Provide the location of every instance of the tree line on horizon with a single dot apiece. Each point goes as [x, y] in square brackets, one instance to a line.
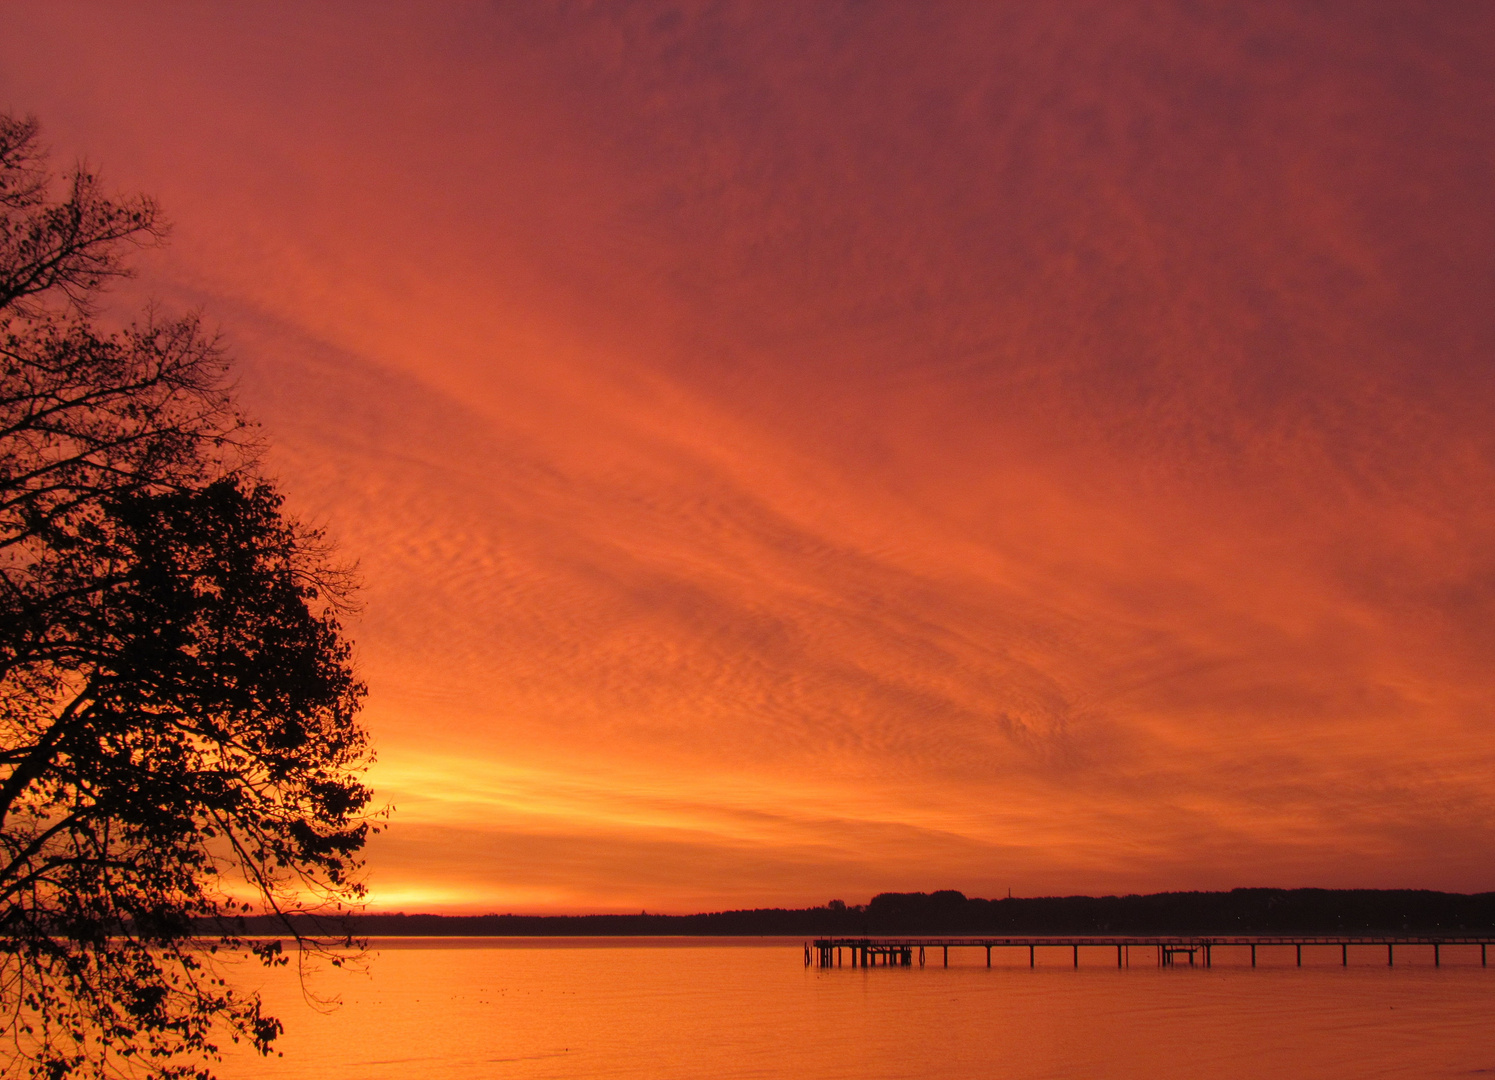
[948, 912]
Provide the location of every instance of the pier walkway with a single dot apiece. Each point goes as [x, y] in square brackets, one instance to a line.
[1168, 951]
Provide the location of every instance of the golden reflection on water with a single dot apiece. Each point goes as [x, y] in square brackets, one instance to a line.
[626, 1008]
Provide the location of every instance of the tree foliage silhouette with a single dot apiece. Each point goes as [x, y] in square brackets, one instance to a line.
[178, 735]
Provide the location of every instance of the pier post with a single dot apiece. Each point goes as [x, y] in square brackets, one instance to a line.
[1118, 956]
[1077, 956]
[947, 955]
[1300, 956]
[1253, 954]
[1388, 954]
[1030, 955]
[1482, 955]
[1344, 955]
[1435, 955]
[921, 956]
[988, 956]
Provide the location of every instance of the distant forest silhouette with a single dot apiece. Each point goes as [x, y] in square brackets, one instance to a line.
[1240, 911]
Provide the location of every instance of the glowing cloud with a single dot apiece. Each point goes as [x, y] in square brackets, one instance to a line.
[811, 451]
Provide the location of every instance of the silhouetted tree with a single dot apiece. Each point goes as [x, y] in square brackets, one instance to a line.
[178, 742]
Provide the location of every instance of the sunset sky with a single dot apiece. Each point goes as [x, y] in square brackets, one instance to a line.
[799, 451]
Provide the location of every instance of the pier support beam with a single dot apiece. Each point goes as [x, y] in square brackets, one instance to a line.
[1344, 956]
[1253, 955]
[988, 956]
[1030, 955]
[947, 955]
[1118, 956]
[1300, 956]
[1435, 955]
[1388, 954]
[1077, 956]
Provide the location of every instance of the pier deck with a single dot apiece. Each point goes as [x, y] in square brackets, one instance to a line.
[900, 951]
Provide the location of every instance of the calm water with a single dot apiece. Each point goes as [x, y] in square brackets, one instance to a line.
[448, 1009]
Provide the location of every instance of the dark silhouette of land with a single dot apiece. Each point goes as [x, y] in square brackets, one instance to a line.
[1240, 911]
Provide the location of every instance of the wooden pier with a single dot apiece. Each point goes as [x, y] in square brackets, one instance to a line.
[1167, 951]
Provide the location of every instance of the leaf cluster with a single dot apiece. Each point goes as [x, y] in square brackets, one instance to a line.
[178, 734]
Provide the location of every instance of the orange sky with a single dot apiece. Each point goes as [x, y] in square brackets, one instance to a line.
[799, 451]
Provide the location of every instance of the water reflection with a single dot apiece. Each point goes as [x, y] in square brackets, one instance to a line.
[463, 1009]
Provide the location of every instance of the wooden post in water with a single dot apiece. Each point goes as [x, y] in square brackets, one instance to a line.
[1344, 955]
[1118, 956]
[1253, 954]
[1388, 954]
[1030, 955]
[1300, 956]
[947, 955]
[1435, 955]
[1077, 956]
[988, 956]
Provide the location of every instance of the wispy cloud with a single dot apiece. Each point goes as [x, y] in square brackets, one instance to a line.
[802, 453]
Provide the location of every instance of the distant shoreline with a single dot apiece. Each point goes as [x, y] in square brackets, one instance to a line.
[1240, 911]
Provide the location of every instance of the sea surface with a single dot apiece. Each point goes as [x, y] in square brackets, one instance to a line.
[664, 1008]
